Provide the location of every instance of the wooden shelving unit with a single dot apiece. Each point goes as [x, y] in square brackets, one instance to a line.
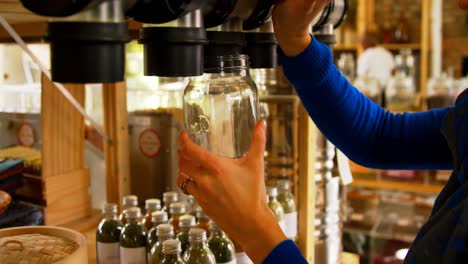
[342, 47]
[396, 46]
[399, 186]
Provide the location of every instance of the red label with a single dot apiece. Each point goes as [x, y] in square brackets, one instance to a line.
[26, 135]
[150, 143]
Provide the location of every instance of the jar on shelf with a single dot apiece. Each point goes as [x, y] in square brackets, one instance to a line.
[370, 87]
[440, 91]
[347, 66]
[400, 93]
[221, 107]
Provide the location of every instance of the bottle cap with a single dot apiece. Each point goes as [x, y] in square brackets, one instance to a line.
[187, 221]
[159, 217]
[284, 185]
[165, 230]
[170, 197]
[201, 215]
[177, 208]
[132, 213]
[153, 204]
[215, 227]
[109, 208]
[272, 191]
[130, 201]
[171, 247]
[197, 235]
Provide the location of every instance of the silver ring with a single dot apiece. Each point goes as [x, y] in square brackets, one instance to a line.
[184, 185]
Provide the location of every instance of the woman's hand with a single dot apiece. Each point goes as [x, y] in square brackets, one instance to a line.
[292, 19]
[232, 192]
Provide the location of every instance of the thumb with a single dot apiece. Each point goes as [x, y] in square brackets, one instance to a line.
[257, 145]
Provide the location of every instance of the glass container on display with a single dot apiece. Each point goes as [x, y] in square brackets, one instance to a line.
[128, 201]
[157, 218]
[286, 198]
[220, 108]
[440, 92]
[221, 246]
[203, 221]
[400, 93]
[151, 206]
[198, 252]
[370, 87]
[171, 251]
[133, 239]
[347, 66]
[108, 236]
[176, 210]
[276, 206]
[185, 223]
[163, 232]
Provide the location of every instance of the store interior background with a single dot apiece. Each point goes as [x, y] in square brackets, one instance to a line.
[384, 209]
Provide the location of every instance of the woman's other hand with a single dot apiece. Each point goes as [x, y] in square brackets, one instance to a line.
[292, 19]
[232, 192]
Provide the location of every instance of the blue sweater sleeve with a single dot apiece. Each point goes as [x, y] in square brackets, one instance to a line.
[363, 130]
[285, 252]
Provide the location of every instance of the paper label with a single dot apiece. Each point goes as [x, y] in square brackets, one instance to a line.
[133, 255]
[283, 226]
[26, 135]
[230, 262]
[291, 225]
[150, 143]
[108, 253]
[242, 258]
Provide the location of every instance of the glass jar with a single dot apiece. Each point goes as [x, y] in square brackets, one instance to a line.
[133, 241]
[163, 232]
[176, 210]
[185, 223]
[370, 87]
[128, 201]
[286, 198]
[221, 246]
[198, 252]
[400, 93]
[221, 107]
[440, 92]
[171, 251]
[276, 206]
[157, 218]
[108, 236]
[151, 206]
[347, 66]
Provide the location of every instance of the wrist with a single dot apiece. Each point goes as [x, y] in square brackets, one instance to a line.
[293, 46]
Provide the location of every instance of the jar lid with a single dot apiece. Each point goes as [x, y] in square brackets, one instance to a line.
[201, 215]
[178, 208]
[171, 247]
[153, 204]
[159, 217]
[284, 185]
[109, 208]
[272, 191]
[130, 200]
[187, 221]
[170, 197]
[197, 235]
[133, 213]
[164, 230]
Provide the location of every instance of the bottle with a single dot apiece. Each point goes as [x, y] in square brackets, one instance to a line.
[151, 206]
[221, 246]
[402, 31]
[221, 107]
[176, 210]
[158, 217]
[400, 93]
[108, 235]
[128, 201]
[276, 206]
[286, 198]
[203, 221]
[133, 239]
[171, 251]
[185, 223]
[198, 252]
[163, 232]
[193, 205]
[168, 198]
[347, 66]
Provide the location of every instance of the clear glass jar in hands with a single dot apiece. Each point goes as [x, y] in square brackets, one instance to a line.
[221, 107]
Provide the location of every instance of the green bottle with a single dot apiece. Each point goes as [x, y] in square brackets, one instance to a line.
[276, 206]
[198, 252]
[164, 232]
[133, 239]
[171, 250]
[108, 235]
[157, 218]
[185, 223]
[221, 246]
[286, 198]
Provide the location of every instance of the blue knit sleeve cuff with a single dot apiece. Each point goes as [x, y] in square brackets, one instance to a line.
[285, 252]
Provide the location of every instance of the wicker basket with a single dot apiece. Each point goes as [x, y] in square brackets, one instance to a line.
[42, 245]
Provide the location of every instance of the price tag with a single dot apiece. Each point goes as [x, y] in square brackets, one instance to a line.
[343, 168]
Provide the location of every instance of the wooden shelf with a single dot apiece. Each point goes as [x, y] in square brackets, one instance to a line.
[400, 186]
[411, 46]
[342, 47]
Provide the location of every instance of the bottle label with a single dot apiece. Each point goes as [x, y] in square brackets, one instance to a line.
[282, 224]
[133, 255]
[242, 258]
[108, 253]
[230, 262]
[291, 225]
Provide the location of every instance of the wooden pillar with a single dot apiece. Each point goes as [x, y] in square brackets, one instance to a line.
[66, 181]
[306, 205]
[425, 46]
[116, 152]
[365, 18]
